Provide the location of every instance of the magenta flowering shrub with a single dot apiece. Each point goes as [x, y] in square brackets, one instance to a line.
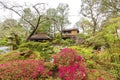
[67, 56]
[70, 65]
[23, 70]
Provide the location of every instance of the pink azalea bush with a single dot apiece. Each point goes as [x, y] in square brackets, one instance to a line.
[23, 70]
[70, 65]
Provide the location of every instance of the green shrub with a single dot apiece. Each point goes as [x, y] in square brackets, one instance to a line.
[22, 49]
[45, 49]
[3, 42]
[68, 42]
[85, 52]
[115, 70]
[97, 74]
[108, 62]
[16, 55]
[115, 58]
[57, 39]
[1, 51]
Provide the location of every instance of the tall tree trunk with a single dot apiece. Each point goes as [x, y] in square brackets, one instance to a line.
[94, 26]
[61, 35]
[28, 38]
[94, 30]
[35, 28]
[54, 31]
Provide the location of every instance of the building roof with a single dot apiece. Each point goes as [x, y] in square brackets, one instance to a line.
[40, 36]
[70, 30]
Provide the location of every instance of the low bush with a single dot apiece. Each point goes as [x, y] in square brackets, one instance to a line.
[1, 51]
[114, 69]
[16, 55]
[82, 50]
[3, 42]
[108, 62]
[68, 42]
[99, 74]
[45, 49]
[57, 39]
[23, 70]
[22, 49]
[85, 52]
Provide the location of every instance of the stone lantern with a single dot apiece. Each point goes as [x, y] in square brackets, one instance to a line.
[10, 42]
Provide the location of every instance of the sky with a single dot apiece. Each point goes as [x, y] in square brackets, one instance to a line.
[74, 6]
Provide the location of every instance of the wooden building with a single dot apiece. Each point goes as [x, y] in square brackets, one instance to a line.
[40, 37]
[70, 33]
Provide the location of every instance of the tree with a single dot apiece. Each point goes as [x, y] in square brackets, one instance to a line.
[52, 13]
[33, 20]
[11, 27]
[84, 25]
[112, 25]
[27, 14]
[111, 7]
[58, 18]
[62, 18]
[92, 11]
[109, 36]
[44, 27]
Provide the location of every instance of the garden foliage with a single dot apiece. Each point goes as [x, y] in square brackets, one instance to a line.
[3, 42]
[45, 49]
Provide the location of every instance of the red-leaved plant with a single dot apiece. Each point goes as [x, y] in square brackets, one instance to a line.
[70, 65]
[23, 70]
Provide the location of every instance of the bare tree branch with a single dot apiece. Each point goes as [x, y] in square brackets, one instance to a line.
[38, 21]
[11, 8]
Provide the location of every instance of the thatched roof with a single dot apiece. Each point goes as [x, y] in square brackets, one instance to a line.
[40, 36]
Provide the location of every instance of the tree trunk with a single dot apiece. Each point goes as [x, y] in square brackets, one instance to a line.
[61, 35]
[28, 38]
[94, 27]
[34, 30]
[61, 32]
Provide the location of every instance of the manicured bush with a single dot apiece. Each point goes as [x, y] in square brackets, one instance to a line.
[70, 64]
[24, 70]
[45, 49]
